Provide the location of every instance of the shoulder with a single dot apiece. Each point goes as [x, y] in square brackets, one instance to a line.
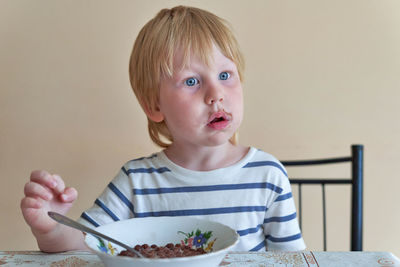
[267, 167]
[264, 161]
[142, 160]
[137, 167]
[149, 164]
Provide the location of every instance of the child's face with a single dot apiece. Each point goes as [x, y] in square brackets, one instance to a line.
[202, 105]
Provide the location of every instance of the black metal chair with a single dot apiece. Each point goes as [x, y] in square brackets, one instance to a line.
[356, 182]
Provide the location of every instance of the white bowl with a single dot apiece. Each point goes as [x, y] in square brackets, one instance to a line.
[161, 231]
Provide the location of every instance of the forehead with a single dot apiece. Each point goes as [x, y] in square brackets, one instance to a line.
[182, 33]
[189, 58]
[183, 57]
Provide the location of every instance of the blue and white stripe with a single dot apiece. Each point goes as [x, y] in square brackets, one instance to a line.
[253, 197]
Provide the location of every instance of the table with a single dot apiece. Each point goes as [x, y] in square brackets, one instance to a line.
[232, 259]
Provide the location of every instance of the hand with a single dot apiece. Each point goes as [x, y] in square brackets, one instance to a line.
[45, 192]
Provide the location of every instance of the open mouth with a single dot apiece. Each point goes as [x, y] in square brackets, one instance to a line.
[219, 120]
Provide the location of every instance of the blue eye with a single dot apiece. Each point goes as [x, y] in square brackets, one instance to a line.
[191, 82]
[224, 75]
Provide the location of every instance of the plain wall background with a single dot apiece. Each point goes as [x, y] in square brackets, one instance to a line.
[320, 76]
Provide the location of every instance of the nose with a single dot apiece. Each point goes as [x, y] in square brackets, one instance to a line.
[214, 94]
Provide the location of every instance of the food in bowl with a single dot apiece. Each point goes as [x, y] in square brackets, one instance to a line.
[168, 251]
[194, 243]
[214, 238]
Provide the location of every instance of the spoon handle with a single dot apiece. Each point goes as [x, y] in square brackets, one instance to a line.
[71, 223]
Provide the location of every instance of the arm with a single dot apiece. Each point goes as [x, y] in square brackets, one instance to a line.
[45, 192]
[280, 224]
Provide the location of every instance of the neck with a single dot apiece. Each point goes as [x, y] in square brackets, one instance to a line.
[206, 158]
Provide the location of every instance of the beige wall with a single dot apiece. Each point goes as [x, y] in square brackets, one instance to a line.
[320, 76]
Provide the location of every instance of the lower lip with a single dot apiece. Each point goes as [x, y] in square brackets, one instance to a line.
[218, 125]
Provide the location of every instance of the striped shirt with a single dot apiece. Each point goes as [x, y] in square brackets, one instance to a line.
[253, 196]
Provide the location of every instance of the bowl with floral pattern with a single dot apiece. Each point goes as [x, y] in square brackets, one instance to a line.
[213, 239]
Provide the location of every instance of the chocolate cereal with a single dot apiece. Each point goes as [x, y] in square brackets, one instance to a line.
[168, 251]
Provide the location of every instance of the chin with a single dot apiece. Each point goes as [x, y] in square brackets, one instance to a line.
[219, 141]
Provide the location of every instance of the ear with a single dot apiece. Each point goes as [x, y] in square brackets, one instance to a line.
[154, 115]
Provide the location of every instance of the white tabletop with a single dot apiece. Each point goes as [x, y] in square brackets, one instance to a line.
[232, 259]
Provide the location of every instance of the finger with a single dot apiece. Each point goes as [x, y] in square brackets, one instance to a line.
[38, 174]
[59, 185]
[44, 178]
[30, 203]
[34, 190]
[70, 195]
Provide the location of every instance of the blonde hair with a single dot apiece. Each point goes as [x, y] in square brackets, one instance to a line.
[187, 28]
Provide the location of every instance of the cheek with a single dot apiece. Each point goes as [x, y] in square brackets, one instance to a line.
[237, 99]
[239, 111]
[178, 113]
[237, 105]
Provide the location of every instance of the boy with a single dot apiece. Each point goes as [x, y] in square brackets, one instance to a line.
[186, 72]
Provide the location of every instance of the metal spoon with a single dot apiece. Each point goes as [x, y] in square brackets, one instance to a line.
[71, 223]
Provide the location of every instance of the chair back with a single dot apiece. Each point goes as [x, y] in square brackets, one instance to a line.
[355, 181]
